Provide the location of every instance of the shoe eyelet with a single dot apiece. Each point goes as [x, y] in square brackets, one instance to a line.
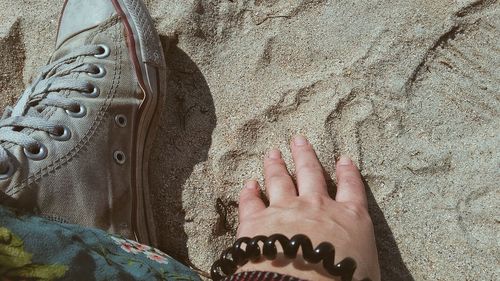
[121, 120]
[78, 114]
[120, 157]
[93, 92]
[100, 74]
[105, 51]
[8, 173]
[36, 155]
[64, 136]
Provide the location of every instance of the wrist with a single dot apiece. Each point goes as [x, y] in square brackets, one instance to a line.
[315, 263]
[296, 268]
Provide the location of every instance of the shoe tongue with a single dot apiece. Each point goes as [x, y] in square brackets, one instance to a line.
[77, 23]
[63, 50]
[69, 45]
[79, 16]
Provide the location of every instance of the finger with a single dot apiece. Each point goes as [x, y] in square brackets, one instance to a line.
[250, 201]
[310, 178]
[279, 184]
[350, 187]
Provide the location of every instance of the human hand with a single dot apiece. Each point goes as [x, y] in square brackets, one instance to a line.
[308, 209]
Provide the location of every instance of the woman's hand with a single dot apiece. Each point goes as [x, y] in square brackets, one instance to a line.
[308, 209]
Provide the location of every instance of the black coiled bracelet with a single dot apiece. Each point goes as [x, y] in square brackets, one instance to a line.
[234, 256]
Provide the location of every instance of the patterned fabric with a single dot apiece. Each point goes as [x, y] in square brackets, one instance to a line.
[33, 248]
[260, 276]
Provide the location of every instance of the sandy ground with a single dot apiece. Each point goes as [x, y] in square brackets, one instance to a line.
[410, 89]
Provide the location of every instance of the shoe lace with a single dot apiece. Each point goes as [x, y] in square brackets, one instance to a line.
[45, 92]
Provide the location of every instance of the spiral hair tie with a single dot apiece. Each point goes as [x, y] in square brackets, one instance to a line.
[235, 256]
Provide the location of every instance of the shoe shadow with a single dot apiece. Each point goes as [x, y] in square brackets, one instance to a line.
[392, 266]
[183, 139]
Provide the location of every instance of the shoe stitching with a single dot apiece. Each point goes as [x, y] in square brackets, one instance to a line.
[57, 163]
[141, 18]
[48, 113]
[98, 120]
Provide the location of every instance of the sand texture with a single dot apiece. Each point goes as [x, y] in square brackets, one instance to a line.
[409, 89]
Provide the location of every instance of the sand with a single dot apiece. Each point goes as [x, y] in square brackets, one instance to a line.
[409, 89]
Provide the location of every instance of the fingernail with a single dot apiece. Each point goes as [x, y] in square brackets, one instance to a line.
[299, 140]
[274, 154]
[345, 161]
[251, 184]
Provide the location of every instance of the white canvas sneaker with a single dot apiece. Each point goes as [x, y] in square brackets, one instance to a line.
[75, 148]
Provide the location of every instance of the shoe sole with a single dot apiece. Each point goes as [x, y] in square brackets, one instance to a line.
[149, 62]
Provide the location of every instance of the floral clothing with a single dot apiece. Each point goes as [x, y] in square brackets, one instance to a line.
[33, 248]
[37, 249]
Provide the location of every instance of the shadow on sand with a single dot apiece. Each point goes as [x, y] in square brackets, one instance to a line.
[183, 139]
[392, 266]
